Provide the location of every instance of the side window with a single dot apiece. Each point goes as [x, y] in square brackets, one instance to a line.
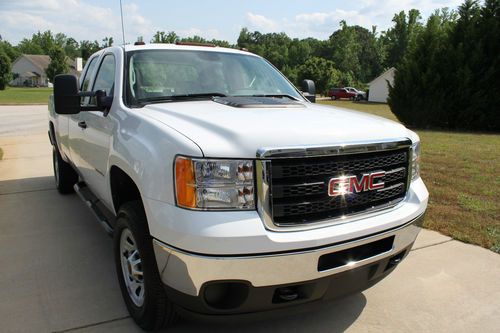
[88, 74]
[105, 79]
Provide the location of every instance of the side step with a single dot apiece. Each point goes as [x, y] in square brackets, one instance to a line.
[92, 202]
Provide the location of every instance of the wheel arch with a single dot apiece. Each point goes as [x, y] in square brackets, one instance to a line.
[123, 187]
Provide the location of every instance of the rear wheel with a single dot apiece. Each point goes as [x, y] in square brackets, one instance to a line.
[64, 174]
[334, 97]
[140, 282]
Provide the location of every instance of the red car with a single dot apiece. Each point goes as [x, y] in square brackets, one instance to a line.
[337, 93]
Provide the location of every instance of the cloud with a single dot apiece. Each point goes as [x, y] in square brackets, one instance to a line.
[260, 22]
[74, 18]
[366, 13]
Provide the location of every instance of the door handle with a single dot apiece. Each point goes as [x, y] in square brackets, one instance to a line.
[82, 124]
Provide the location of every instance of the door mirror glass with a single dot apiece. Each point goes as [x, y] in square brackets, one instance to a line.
[66, 97]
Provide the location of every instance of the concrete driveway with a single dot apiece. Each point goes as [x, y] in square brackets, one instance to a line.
[57, 272]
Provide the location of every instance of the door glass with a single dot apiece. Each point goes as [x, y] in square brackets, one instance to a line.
[105, 79]
[88, 74]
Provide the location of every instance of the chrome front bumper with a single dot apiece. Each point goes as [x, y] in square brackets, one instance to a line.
[188, 272]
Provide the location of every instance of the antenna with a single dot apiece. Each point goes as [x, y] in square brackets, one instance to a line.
[123, 29]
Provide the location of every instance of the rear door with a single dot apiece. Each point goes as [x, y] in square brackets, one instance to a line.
[92, 139]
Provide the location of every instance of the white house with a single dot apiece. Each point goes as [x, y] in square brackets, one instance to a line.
[29, 70]
[379, 87]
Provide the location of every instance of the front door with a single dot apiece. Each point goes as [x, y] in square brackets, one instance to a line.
[91, 139]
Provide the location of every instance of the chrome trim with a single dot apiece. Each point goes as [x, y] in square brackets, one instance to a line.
[264, 208]
[188, 272]
[328, 150]
[391, 187]
[263, 175]
[393, 171]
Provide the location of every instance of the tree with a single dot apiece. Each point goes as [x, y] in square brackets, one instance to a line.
[58, 64]
[87, 48]
[401, 38]
[162, 37]
[10, 50]
[321, 71]
[355, 49]
[450, 78]
[107, 42]
[5, 69]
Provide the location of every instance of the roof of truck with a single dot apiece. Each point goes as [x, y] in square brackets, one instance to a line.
[208, 48]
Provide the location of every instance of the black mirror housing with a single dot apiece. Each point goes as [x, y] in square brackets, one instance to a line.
[309, 89]
[103, 102]
[66, 98]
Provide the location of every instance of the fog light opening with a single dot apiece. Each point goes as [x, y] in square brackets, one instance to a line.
[226, 295]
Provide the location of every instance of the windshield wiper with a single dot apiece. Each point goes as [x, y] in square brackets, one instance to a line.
[272, 96]
[178, 97]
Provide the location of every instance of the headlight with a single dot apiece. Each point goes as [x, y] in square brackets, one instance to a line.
[415, 161]
[214, 184]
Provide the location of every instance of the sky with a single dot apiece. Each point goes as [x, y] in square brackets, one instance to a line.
[220, 19]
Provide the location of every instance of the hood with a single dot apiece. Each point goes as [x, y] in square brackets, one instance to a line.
[229, 132]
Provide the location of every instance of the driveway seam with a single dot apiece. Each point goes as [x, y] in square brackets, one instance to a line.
[29, 191]
[430, 245]
[92, 325]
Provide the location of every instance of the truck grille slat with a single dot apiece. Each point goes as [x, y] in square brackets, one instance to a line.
[299, 186]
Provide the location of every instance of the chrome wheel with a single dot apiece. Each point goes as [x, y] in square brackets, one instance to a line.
[132, 267]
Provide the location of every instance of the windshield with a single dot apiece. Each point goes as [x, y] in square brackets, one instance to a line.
[166, 74]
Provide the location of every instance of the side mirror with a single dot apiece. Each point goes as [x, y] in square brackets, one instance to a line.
[103, 102]
[66, 97]
[309, 89]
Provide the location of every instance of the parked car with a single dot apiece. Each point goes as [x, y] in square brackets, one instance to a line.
[226, 190]
[338, 93]
[361, 94]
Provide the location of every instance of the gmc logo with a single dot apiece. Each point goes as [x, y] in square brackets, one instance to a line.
[351, 184]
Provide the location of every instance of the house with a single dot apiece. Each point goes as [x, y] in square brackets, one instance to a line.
[379, 87]
[29, 70]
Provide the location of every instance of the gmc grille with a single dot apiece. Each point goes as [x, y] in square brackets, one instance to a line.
[298, 187]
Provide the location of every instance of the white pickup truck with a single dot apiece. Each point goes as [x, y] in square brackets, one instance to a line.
[227, 191]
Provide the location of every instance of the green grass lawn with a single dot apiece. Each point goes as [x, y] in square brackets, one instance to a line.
[461, 173]
[14, 95]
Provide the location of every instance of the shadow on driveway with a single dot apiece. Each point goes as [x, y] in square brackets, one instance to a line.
[58, 272]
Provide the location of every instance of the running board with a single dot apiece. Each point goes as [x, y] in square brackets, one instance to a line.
[92, 202]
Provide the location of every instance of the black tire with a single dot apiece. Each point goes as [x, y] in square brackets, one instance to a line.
[351, 98]
[156, 311]
[65, 176]
[334, 97]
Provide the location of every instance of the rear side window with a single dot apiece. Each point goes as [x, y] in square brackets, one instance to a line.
[88, 75]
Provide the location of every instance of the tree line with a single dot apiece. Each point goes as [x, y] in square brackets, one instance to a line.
[447, 67]
[352, 55]
[450, 78]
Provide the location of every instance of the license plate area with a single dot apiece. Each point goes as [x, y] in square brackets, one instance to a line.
[353, 255]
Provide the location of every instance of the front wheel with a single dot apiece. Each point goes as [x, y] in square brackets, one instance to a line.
[138, 276]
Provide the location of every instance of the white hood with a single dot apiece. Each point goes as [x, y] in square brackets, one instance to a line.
[231, 132]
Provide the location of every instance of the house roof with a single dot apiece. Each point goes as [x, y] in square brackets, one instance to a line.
[390, 70]
[42, 62]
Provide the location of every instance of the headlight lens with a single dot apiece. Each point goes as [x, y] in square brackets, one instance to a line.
[415, 161]
[214, 184]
